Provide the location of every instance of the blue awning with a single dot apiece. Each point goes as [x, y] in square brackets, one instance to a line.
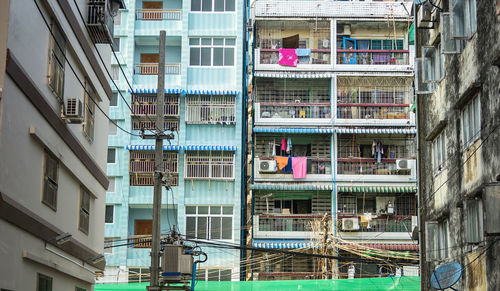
[210, 92]
[280, 244]
[152, 147]
[292, 187]
[293, 75]
[376, 130]
[155, 90]
[208, 148]
[293, 130]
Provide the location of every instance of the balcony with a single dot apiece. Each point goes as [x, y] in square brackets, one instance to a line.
[158, 14]
[309, 42]
[100, 20]
[145, 104]
[298, 101]
[356, 51]
[142, 165]
[152, 69]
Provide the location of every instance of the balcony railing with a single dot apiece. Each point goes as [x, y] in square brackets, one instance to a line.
[315, 166]
[99, 21]
[372, 111]
[317, 57]
[158, 14]
[368, 166]
[152, 69]
[392, 223]
[294, 110]
[286, 222]
[372, 57]
[147, 179]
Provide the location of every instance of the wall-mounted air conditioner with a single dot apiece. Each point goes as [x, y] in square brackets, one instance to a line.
[73, 110]
[267, 166]
[351, 223]
[344, 29]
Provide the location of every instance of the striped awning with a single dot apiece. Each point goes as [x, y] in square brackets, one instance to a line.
[293, 130]
[388, 246]
[293, 75]
[152, 147]
[155, 90]
[292, 187]
[378, 189]
[210, 92]
[376, 130]
[208, 148]
[280, 244]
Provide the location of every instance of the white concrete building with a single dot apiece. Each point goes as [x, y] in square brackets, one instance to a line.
[53, 140]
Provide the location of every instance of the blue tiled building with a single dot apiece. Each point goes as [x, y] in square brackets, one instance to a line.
[204, 85]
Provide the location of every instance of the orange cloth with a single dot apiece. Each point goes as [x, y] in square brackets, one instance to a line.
[282, 162]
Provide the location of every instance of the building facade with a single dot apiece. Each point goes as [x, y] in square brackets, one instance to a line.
[332, 159]
[458, 103]
[203, 108]
[53, 140]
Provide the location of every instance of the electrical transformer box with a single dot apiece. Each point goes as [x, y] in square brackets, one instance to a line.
[175, 262]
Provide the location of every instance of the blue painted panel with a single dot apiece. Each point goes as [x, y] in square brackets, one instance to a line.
[147, 81]
[210, 134]
[213, 24]
[212, 78]
[143, 195]
[210, 192]
[152, 28]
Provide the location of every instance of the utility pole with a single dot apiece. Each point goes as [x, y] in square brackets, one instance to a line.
[155, 250]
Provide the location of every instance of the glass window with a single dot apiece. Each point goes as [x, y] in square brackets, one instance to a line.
[49, 196]
[116, 44]
[212, 52]
[218, 5]
[215, 225]
[218, 56]
[206, 5]
[111, 155]
[195, 5]
[114, 99]
[439, 152]
[206, 56]
[473, 221]
[109, 214]
[471, 122]
[44, 283]
[111, 187]
[84, 221]
[57, 61]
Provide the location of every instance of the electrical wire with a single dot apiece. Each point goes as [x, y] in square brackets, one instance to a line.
[74, 71]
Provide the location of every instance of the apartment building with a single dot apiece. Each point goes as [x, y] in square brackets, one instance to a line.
[332, 139]
[53, 142]
[203, 109]
[458, 102]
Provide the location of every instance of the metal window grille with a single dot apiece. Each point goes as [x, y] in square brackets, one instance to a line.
[57, 61]
[209, 165]
[406, 205]
[139, 124]
[213, 274]
[210, 109]
[84, 221]
[347, 204]
[50, 181]
[145, 104]
[90, 99]
[141, 167]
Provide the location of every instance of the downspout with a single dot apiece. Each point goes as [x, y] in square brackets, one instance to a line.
[253, 136]
[333, 163]
[243, 144]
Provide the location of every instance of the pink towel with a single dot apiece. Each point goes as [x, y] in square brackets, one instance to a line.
[283, 144]
[299, 167]
[288, 57]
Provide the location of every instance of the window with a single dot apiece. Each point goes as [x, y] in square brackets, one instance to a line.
[108, 245]
[111, 155]
[90, 100]
[207, 109]
[57, 61]
[142, 164]
[209, 222]
[437, 240]
[347, 204]
[118, 18]
[212, 5]
[111, 187]
[473, 221]
[114, 99]
[49, 196]
[463, 18]
[112, 129]
[433, 65]
[215, 52]
[298, 206]
[471, 122]
[215, 165]
[116, 44]
[439, 152]
[213, 275]
[109, 214]
[138, 275]
[115, 73]
[84, 221]
[44, 283]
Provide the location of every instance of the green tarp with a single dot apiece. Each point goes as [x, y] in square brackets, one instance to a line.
[369, 284]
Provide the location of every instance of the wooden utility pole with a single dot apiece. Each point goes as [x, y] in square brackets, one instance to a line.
[155, 250]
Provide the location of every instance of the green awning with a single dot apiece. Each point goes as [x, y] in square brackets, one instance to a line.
[292, 187]
[411, 34]
[372, 284]
[378, 189]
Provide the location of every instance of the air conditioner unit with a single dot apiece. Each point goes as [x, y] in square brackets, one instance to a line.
[425, 18]
[344, 29]
[73, 110]
[267, 166]
[350, 223]
[406, 164]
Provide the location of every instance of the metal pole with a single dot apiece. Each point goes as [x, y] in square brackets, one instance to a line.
[155, 250]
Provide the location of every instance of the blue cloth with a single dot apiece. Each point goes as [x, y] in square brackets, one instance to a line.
[288, 168]
[303, 52]
[304, 60]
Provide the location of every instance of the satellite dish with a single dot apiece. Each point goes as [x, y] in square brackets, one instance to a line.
[446, 276]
